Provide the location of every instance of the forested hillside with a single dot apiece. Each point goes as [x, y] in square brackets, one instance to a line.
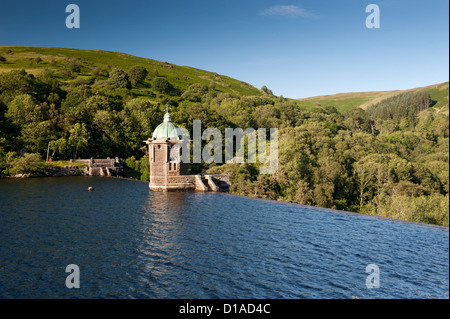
[389, 160]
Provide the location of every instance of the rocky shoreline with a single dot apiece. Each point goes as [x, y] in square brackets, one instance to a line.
[65, 171]
[54, 172]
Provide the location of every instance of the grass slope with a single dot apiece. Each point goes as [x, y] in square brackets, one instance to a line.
[56, 59]
[345, 101]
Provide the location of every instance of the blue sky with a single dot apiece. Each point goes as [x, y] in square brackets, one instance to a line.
[296, 48]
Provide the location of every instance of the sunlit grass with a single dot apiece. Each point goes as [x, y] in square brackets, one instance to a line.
[56, 59]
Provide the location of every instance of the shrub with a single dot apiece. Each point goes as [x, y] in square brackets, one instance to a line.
[137, 74]
[161, 85]
[74, 66]
[118, 78]
[28, 163]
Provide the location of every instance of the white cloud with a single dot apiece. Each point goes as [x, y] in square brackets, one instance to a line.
[289, 11]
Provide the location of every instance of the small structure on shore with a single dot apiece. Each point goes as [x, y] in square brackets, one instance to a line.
[168, 172]
[101, 167]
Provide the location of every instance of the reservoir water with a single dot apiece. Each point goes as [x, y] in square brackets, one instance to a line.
[130, 242]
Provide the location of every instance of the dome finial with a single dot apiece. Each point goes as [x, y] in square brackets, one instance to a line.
[167, 117]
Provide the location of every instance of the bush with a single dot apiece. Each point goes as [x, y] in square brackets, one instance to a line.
[137, 74]
[137, 168]
[74, 66]
[195, 92]
[29, 163]
[432, 209]
[161, 85]
[98, 71]
[145, 176]
[118, 78]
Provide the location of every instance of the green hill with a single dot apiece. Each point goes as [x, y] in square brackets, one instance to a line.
[60, 60]
[37, 59]
[345, 101]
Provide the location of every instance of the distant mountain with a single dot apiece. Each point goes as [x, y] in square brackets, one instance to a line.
[37, 59]
[439, 94]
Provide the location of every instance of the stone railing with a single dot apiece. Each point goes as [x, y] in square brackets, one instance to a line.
[101, 167]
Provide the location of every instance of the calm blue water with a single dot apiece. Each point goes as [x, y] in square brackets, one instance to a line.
[133, 243]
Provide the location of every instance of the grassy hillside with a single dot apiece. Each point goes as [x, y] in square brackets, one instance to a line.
[36, 59]
[345, 101]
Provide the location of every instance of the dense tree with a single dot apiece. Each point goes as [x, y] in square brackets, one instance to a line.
[139, 118]
[195, 92]
[118, 78]
[161, 85]
[28, 163]
[401, 108]
[17, 82]
[137, 74]
[78, 139]
[24, 109]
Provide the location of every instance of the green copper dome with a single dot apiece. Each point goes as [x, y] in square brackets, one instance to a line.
[167, 129]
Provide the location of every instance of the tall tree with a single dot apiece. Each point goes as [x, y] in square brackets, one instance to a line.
[118, 78]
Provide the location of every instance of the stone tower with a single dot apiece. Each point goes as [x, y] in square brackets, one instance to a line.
[166, 166]
[168, 172]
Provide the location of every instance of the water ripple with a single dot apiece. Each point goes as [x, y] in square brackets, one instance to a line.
[133, 243]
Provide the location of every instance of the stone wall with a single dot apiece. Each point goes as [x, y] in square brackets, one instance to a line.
[221, 177]
[219, 182]
[182, 179]
[199, 182]
[101, 167]
[212, 182]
